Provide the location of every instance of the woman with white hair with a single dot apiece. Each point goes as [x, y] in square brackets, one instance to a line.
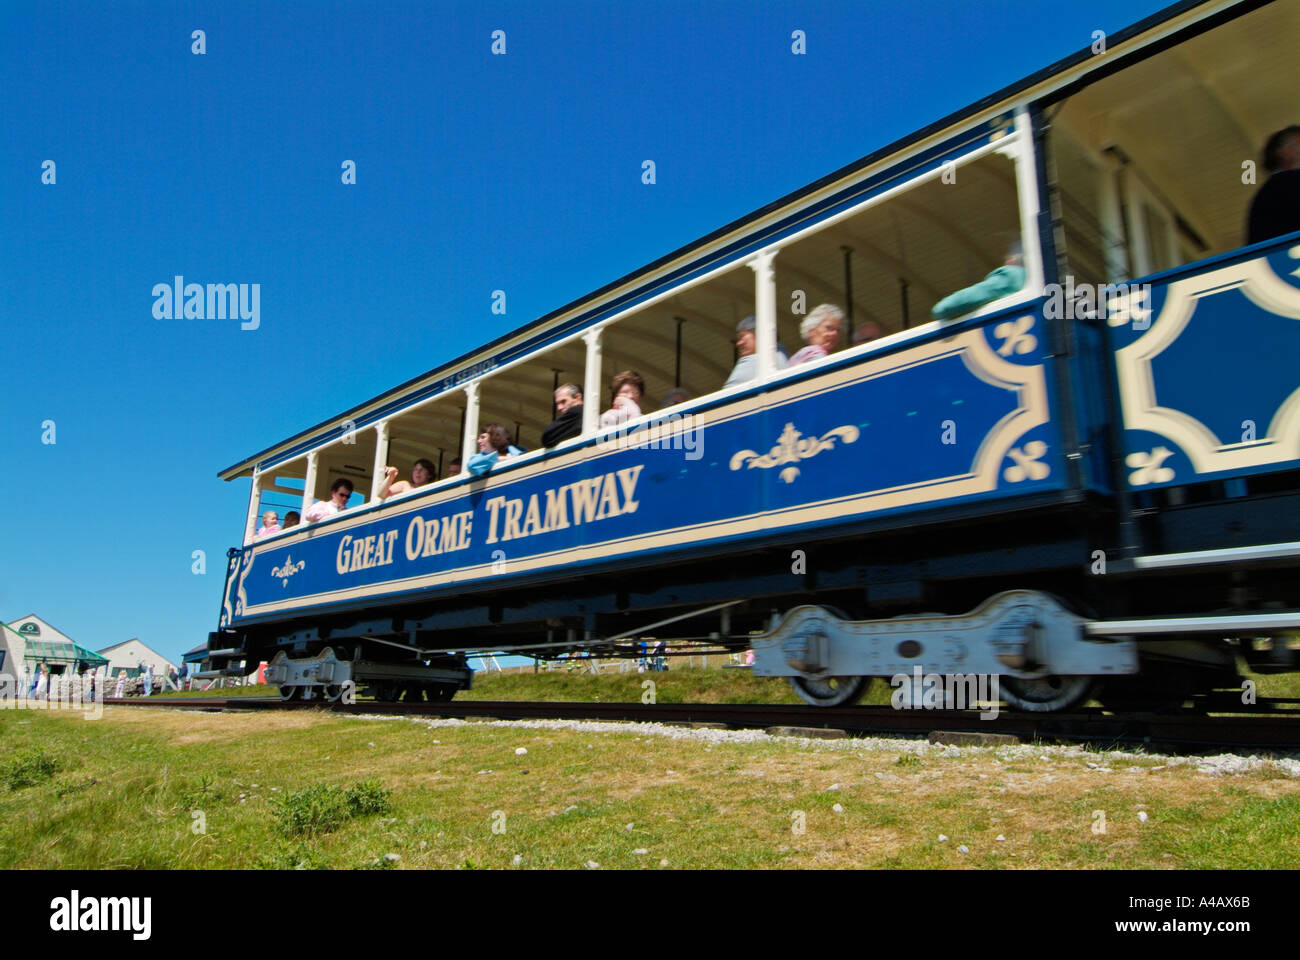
[821, 330]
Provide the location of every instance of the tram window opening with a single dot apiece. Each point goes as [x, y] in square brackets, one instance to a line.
[682, 347]
[522, 398]
[1171, 135]
[886, 266]
[430, 432]
[280, 492]
[351, 458]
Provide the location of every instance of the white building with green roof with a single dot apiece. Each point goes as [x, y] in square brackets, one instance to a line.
[28, 642]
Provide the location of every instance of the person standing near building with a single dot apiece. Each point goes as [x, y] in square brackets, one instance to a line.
[148, 680]
[42, 682]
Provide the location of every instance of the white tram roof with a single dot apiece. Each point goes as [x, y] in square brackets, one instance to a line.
[1247, 86]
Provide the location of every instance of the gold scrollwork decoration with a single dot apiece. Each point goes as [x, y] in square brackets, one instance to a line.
[792, 447]
[288, 570]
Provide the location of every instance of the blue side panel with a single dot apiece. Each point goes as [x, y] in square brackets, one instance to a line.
[1206, 359]
[958, 418]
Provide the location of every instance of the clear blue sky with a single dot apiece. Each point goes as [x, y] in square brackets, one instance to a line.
[474, 172]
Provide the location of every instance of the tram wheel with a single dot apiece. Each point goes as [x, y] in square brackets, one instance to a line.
[288, 693]
[388, 692]
[831, 692]
[413, 693]
[1045, 694]
[332, 692]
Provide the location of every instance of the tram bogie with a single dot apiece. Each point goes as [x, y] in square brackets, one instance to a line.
[326, 677]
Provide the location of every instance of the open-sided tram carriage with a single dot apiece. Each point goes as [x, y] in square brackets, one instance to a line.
[1092, 483]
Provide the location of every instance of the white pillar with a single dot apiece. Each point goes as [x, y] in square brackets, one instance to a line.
[764, 312]
[591, 398]
[309, 484]
[1022, 158]
[381, 459]
[1135, 203]
[1173, 252]
[469, 442]
[254, 502]
[1112, 227]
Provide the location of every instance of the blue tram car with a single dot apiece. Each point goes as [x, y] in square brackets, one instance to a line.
[1082, 475]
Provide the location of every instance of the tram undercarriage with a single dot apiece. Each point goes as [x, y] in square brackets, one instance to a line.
[1040, 655]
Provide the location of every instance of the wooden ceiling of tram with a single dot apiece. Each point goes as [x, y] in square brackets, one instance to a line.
[1190, 116]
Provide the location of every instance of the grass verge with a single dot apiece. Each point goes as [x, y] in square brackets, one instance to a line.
[156, 789]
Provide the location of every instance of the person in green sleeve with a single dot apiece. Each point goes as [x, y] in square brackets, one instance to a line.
[1006, 279]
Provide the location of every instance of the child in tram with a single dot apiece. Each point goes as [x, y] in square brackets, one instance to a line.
[270, 525]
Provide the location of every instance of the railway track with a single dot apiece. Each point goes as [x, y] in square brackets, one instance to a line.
[1177, 733]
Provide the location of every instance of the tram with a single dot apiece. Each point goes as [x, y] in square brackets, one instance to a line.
[1084, 483]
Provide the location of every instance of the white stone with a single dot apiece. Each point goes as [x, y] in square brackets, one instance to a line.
[520, 751]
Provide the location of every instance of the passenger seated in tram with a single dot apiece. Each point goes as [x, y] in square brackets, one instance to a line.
[453, 468]
[493, 446]
[292, 519]
[627, 389]
[1276, 208]
[673, 397]
[340, 490]
[746, 367]
[422, 472]
[568, 404]
[866, 331]
[270, 525]
[1006, 279]
[821, 330]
